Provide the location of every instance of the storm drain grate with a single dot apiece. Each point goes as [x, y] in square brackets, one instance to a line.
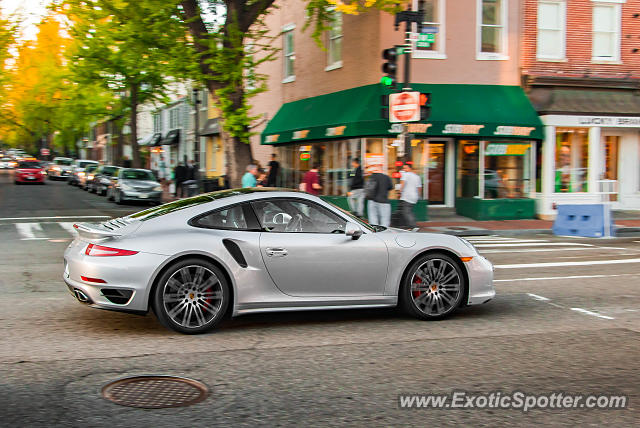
[155, 392]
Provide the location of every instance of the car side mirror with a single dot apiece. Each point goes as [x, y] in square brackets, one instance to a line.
[353, 231]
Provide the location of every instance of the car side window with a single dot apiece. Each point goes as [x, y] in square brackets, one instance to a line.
[232, 218]
[297, 216]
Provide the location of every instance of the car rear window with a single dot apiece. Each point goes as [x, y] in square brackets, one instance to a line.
[29, 165]
[109, 170]
[188, 203]
[137, 174]
[84, 164]
[62, 161]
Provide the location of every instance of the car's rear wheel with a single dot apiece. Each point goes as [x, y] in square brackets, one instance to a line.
[433, 287]
[191, 296]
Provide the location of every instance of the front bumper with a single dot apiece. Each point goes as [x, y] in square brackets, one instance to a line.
[480, 271]
[131, 274]
[30, 178]
[141, 196]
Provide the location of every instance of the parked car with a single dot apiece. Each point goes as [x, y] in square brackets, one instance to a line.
[132, 184]
[29, 172]
[102, 179]
[7, 163]
[87, 177]
[199, 259]
[60, 168]
[77, 170]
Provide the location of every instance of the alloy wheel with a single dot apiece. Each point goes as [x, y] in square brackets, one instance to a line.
[436, 287]
[193, 296]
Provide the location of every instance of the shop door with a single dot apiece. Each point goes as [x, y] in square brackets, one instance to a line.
[435, 167]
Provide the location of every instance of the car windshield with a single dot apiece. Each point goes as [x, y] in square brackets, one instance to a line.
[137, 174]
[356, 220]
[85, 164]
[109, 170]
[63, 161]
[29, 165]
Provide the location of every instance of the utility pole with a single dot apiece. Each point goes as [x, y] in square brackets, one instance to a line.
[409, 17]
[196, 133]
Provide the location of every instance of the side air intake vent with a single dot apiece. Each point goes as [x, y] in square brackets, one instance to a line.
[235, 252]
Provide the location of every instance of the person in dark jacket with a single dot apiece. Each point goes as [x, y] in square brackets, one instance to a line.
[180, 172]
[356, 188]
[274, 167]
[377, 192]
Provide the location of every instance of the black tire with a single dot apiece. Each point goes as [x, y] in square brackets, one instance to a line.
[436, 299]
[117, 198]
[190, 301]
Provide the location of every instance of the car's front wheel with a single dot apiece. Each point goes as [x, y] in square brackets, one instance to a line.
[191, 296]
[433, 287]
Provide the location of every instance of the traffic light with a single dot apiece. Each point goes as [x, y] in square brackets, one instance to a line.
[384, 107]
[390, 68]
[425, 106]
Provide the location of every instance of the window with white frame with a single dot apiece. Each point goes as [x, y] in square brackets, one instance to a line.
[492, 29]
[289, 54]
[157, 122]
[334, 42]
[174, 117]
[551, 29]
[606, 31]
[433, 28]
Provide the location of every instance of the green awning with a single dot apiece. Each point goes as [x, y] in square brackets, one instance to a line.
[471, 111]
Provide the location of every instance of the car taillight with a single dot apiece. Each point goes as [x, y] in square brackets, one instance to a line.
[102, 251]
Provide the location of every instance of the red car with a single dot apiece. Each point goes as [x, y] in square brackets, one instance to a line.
[29, 172]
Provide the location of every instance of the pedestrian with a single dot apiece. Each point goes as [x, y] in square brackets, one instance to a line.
[410, 188]
[356, 188]
[311, 180]
[191, 182]
[249, 177]
[377, 192]
[180, 173]
[262, 179]
[274, 168]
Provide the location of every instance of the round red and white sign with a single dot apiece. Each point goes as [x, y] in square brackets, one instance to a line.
[404, 107]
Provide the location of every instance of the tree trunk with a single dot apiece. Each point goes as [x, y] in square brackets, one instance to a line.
[135, 151]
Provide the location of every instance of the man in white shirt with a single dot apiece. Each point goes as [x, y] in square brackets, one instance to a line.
[410, 189]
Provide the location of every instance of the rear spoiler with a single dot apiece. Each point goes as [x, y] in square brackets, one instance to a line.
[87, 230]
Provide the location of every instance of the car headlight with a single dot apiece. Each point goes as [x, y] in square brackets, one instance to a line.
[468, 244]
[43, 173]
[90, 177]
[56, 168]
[81, 174]
[157, 189]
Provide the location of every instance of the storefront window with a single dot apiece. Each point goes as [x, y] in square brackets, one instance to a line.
[611, 158]
[506, 170]
[572, 153]
[468, 162]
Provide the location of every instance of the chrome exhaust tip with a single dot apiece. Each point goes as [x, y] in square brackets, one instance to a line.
[81, 296]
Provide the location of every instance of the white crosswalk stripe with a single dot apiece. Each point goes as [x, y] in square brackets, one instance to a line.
[37, 231]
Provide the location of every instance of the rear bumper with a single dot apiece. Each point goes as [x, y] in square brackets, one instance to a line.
[39, 178]
[130, 274]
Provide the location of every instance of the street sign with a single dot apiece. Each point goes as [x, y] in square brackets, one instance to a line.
[425, 39]
[404, 107]
[44, 152]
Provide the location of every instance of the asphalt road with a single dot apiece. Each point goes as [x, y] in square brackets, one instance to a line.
[566, 318]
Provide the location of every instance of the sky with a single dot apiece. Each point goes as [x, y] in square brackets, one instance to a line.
[31, 10]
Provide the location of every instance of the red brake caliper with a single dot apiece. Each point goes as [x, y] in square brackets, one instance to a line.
[417, 293]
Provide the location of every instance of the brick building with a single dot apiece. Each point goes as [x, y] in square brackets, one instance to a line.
[477, 151]
[581, 70]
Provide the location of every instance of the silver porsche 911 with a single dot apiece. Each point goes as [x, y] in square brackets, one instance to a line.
[233, 252]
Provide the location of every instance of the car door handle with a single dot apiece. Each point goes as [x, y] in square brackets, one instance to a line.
[276, 252]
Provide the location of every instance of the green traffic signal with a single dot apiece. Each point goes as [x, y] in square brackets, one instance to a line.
[386, 81]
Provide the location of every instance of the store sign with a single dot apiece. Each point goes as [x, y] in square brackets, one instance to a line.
[494, 149]
[305, 148]
[418, 128]
[521, 131]
[374, 159]
[305, 156]
[298, 135]
[272, 138]
[462, 129]
[606, 121]
[336, 131]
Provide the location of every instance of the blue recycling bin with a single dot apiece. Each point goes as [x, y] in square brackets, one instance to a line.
[585, 220]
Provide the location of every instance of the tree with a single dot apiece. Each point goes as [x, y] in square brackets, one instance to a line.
[225, 62]
[134, 48]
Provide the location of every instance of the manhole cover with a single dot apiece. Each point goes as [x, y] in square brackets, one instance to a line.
[155, 392]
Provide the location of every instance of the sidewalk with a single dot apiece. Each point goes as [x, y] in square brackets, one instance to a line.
[471, 227]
